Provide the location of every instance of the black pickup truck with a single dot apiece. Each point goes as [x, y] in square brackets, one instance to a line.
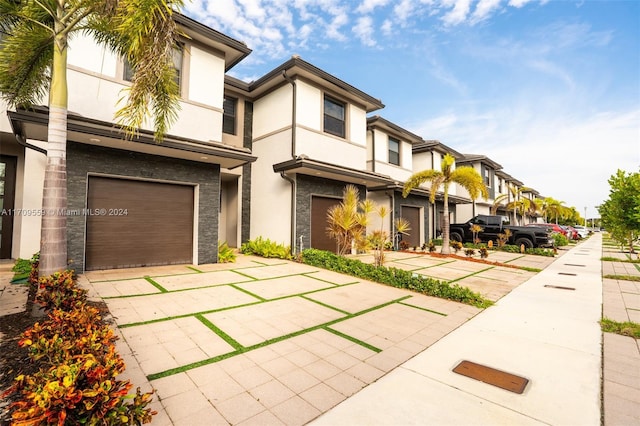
[529, 236]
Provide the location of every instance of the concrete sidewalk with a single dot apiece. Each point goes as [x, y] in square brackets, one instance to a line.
[548, 335]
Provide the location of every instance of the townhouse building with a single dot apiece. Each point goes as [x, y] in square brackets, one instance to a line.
[244, 159]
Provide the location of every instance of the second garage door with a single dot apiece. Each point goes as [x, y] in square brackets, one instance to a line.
[319, 208]
[412, 215]
[139, 223]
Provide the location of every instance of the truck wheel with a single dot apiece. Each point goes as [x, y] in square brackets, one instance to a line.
[455, 237]
[524, 241]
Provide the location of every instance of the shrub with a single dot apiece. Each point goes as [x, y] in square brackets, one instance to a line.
[266, 248]
[456, 246]
[35, 266]
[22, 266]
[469, 252]
[393, 277]
[75, 350]
[559, 240]
[59, 291]
[540, 251]
[225, 253]
[484, 253]
[404, 245]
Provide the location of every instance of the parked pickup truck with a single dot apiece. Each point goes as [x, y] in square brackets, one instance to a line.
[529, 236]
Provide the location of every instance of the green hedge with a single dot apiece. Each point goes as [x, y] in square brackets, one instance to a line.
[393, 277]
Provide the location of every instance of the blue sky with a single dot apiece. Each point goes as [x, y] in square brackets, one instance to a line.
[548, 89]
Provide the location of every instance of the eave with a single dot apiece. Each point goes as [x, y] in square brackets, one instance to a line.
[33, 124]
[309, 167]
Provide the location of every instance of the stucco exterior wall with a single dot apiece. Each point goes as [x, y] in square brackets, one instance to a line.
[272, 113]
[270, 193]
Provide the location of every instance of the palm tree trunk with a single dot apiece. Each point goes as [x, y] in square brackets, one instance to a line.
[445, 222]
[53, 243]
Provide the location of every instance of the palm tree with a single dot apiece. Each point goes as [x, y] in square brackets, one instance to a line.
[515, 204]
[553, 208]
[33, 62]
[465, 176]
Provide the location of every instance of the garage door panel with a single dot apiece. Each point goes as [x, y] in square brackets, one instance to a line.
[412, 215]
[153, 224]
[319, 208]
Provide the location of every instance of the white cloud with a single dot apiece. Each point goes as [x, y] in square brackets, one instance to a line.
[368, 6]
[364, 30]
[403, 10]
[458, 14]
[484, 10]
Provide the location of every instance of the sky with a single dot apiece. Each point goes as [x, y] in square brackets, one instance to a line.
[549, 89]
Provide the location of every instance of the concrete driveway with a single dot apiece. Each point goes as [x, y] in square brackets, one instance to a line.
[265, 341]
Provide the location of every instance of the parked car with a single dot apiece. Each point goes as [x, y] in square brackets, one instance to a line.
[572, 233]
[582, 231]
[551, 226]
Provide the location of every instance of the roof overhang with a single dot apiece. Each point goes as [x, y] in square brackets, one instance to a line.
[33, 124]
[306, 166]
[435, 145]
[377, 122]
[234, 50]
[298, 68]
[421, 192]
[473, 158]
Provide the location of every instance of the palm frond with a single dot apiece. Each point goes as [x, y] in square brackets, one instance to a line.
[470, 179]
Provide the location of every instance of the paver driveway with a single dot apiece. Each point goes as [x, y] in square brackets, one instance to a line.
[265, 341]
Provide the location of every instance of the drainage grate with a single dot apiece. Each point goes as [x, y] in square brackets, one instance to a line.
[559, 287]
[501, 379]
[573, 264]
[567, 273]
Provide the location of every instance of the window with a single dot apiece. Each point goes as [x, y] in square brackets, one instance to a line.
[229, 116]
[334, 120]
[176, 57]
[394, 151]
[487, 178]
[500, 186]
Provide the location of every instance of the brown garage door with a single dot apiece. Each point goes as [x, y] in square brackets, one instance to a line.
[319, 238]
[146, 223]
[412, 215]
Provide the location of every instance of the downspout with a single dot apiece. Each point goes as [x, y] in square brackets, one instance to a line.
[25, 144]
[392, 198]
[373, 150]
[434, 207]
[293, 155]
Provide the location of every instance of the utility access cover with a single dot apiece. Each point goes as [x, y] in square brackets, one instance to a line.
[494, 377]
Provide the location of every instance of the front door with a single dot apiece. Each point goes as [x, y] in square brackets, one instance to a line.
[7, 195]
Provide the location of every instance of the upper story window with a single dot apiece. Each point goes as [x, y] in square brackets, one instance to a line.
[334, 117]
[500, 186]
[229, 116]
[487, 178]
[394, 151]
[176, 57]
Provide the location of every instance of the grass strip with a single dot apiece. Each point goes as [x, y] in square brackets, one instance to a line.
[627, 328]
[310, 275]
[325, 305]
[622, 277]
[422, 309]
[244, 275]
[353, 339]
[155, 284]
[470, 275]
[218, 358]
[262, 299]
[224, 336]
[195, 269]
[617, 259]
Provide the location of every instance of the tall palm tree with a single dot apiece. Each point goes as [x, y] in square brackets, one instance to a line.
[553, 208]
[465, 176]
[513, 198]
[33, 62]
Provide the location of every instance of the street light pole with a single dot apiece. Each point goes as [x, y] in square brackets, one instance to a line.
[585, 217]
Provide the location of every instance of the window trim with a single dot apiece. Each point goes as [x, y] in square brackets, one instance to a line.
[389, 151]
[234, 117]
[327, 98]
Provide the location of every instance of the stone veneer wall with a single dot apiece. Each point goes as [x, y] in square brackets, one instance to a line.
[415, 201]
[84, 159]
[245, 220]
[308, 186]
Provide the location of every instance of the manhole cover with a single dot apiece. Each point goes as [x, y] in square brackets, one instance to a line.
[559, 287]
[567, 273]
[501, 379]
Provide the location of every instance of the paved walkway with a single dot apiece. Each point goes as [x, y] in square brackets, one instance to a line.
[548, 335]
[621, 368]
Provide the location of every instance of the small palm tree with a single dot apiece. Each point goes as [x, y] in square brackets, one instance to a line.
[347, 221]
[33, 63]
[465, 176]
[514, 201]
